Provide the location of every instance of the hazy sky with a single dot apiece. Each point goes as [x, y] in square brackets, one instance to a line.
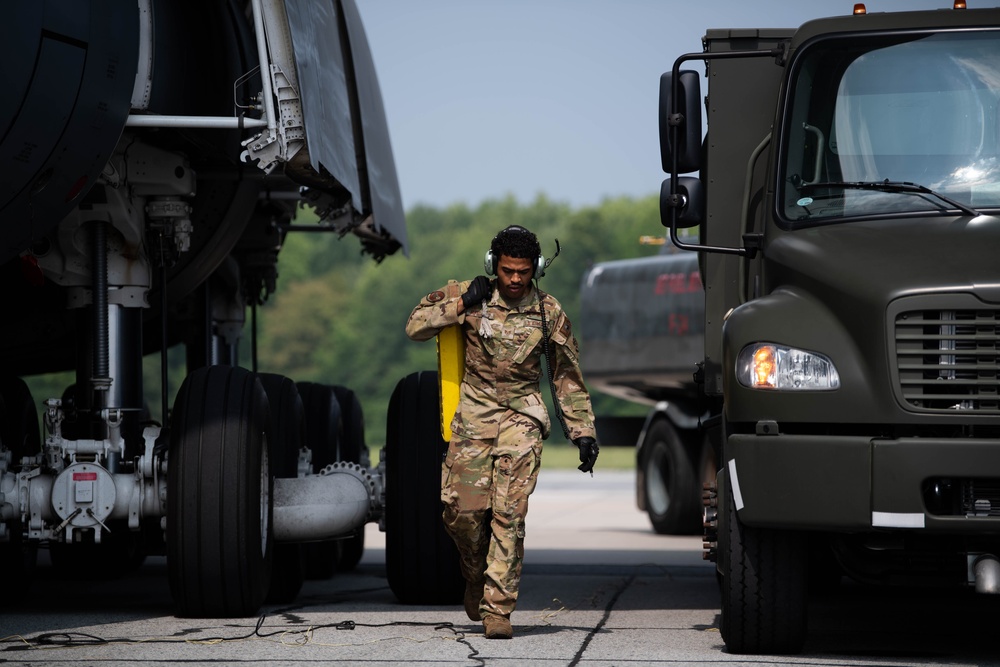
[486, 98]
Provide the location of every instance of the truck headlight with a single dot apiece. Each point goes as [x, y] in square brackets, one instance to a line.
[770, 366]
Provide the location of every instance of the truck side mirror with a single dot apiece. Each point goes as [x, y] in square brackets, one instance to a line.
[689, 202]
[687, 119]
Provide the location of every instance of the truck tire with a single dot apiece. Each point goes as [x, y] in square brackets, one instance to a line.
[288, 430]
[324, 432]
[763, 581]
[421, 559]
[353, 450]
[671, 486]
[220, 542]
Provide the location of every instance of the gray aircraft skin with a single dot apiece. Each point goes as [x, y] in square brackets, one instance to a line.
[80, 74]
[152, 157]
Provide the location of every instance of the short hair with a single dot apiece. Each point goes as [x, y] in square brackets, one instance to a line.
[517, 242]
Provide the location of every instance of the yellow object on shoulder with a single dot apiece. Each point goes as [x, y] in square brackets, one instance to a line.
[451, 369]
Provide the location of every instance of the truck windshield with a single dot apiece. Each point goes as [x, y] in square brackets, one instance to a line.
[893, 125]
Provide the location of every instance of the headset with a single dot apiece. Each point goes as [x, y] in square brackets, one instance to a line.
[540, 264]
[491, 260]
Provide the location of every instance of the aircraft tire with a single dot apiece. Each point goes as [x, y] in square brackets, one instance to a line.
[220, 542]
[421, 559]
[21, 435]
[353, 450]
[288, 428]
[324, 432]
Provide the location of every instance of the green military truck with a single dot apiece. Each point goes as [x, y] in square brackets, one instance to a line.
[847, 195]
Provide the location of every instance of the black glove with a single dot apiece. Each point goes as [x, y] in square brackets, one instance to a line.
[479, 290]
[588, 453]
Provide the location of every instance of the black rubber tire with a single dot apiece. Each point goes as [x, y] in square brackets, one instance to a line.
[288, 427]
[19, 429]
[352, 447]
[764, 584]
[421, 559]
[324, 431]
[672, 488]
[352, 450]
[220, 542]
[18, 558]
[21, 436]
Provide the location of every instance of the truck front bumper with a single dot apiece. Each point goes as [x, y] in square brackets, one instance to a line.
[857, 484]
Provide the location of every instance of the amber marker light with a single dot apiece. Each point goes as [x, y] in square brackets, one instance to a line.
[763, 367]
[859, 8]
[959, 4]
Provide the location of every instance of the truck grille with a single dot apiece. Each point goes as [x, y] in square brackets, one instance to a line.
[980, 497]
[969, 496]
[948, 359]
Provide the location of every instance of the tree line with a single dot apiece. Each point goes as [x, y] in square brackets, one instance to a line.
[337, 317]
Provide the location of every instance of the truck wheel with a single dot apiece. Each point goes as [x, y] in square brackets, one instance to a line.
[324, 431]
[673, 493]
[219, 536]
[763, 586]
[421, 559]
[353, 450]
[288, 428]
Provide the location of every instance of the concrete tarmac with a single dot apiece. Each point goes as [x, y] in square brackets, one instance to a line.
[599, 589]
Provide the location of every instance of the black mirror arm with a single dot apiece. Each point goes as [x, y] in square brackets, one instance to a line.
[675, 119]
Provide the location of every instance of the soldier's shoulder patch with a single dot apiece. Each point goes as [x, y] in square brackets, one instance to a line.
[434, 297]
[565, 330]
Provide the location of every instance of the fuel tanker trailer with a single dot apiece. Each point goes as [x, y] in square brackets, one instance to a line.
[642, 329]
[152, 156]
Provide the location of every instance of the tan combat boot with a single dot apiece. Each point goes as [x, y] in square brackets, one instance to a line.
[497, 627]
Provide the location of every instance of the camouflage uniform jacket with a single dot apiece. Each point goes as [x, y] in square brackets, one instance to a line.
[502, 372]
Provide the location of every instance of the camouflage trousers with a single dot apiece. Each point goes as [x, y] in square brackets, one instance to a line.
[485, 486]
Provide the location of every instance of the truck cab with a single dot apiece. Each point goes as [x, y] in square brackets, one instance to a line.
[847, 192]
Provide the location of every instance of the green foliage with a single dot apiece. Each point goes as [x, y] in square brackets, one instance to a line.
[338, 317]
[564, 456]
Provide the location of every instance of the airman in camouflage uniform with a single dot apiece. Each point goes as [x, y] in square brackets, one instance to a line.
[496, 447]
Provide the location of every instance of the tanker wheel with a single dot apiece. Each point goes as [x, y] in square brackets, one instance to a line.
[21, 436]
[288, 428]
[324, 429]
[421, 559]
[353, 450]
[219, 535]
[764, 585]
[673, 492]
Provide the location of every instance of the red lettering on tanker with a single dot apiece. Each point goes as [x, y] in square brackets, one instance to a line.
[678, 283]
[678, 324]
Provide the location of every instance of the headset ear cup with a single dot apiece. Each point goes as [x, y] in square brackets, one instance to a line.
[488, 264]
[539, 267]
